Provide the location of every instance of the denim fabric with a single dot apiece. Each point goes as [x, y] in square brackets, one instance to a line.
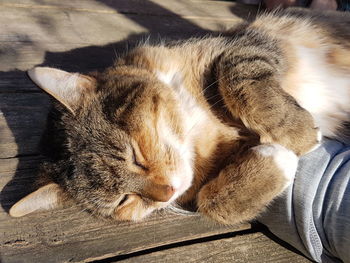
[343, 5]
[313, 214]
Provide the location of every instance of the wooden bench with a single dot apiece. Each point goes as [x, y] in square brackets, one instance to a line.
[86, 35]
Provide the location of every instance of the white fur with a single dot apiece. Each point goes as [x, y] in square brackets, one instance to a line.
[193, 116]
[319, 136]
[322, 90]
[285, 159]
[181, 178]
[176, 182]
[165, 77]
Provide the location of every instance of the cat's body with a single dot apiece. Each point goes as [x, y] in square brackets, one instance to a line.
[200, 120]
[312, 56]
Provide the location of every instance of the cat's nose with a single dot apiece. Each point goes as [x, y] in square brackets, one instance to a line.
[168, 192]
[159, 192]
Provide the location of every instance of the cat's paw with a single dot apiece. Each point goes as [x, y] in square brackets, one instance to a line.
[297, 132]
[211, 204]
[285, 160]
[318, 140]
[244, 188]
[304, 137]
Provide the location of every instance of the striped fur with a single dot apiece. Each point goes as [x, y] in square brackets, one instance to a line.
[218, 122]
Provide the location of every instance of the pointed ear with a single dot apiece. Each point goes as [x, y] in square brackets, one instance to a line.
[67, 88]
[45, 198]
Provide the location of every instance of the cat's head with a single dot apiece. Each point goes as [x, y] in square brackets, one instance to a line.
[127, 149]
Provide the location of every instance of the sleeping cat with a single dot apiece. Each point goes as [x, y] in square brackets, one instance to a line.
[218, 121]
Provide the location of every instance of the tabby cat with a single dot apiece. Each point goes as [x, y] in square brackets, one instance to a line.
[219, 121]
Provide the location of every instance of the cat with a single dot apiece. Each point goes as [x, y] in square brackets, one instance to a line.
[219, 121]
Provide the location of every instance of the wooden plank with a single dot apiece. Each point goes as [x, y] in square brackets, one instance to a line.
[17, 177]
[22, 121]
[15, 81]
[13, 78]
[35, 30]
[187, 9]
[78, 41]
[255, 247]
[62, 24]
[10, 165]
[28, 42]
[70, 235]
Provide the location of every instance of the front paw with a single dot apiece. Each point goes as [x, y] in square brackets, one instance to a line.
[299, 134]
[210, 204]
[307, 138]
[281, 159]
[243, 189]
[316, 143]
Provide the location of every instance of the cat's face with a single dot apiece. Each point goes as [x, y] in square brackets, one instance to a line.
[128, 151]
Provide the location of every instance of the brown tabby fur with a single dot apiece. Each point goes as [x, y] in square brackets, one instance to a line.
[237, 91]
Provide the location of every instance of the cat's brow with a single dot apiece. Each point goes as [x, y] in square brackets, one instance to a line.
[116, 148]
[136, 160]
[120, 158]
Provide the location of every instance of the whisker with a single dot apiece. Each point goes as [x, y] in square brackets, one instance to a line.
[174, 209]
[209, 98]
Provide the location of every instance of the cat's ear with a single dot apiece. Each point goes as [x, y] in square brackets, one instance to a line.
[45, 198]
[67, 88]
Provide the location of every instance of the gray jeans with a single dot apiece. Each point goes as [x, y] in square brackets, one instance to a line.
[313, 214]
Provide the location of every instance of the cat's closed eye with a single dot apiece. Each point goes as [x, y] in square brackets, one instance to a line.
[123, 200]
[136, 161]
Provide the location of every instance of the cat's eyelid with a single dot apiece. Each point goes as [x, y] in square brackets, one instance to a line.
[136, 162]
[126, 199]
[123, 200]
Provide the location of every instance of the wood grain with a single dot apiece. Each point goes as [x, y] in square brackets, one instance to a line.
[61, 26]
[22, 122]
[69, 235]
[206, 10]
[252, 248]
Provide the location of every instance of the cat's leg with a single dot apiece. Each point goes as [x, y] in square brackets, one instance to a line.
[249, 81]
[244, 188]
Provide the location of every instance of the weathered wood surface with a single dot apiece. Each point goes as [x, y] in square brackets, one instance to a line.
[188, 9]
[42, 27]
[84, 36]
[252, 248]
[68, 235]
[22, 122]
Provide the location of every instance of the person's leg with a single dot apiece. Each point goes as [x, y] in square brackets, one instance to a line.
[313, 214]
